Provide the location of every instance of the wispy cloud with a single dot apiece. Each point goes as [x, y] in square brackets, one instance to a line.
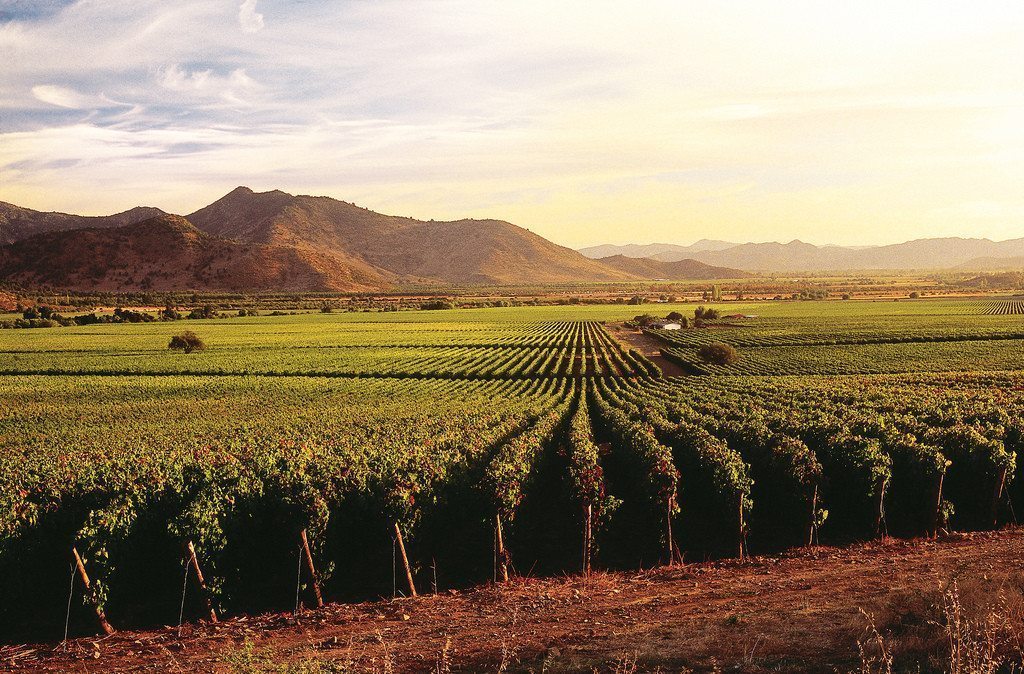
[869, 121]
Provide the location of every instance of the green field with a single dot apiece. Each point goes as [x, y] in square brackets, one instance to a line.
[470, 432]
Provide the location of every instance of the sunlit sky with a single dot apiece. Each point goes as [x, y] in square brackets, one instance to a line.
[587, 122]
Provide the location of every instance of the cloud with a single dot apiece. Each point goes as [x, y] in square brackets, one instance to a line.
[63, 97]
[231, 88]
[876, 118]
[248, 18]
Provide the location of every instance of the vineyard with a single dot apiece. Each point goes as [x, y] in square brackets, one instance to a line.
[310, 458]
[1007, 307]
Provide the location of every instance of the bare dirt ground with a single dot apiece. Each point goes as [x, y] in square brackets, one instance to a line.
[804, 611]
[647, 345]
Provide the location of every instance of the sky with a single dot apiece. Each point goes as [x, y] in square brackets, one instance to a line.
[586, 122]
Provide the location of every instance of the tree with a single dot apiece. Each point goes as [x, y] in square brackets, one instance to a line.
[187, 341]
[718, 353]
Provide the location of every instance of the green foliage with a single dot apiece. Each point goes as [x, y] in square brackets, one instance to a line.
[718, 353]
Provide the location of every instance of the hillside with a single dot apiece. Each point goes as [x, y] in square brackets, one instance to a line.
[168, 253]
[461, 251]
[679, 270]
[18, 223]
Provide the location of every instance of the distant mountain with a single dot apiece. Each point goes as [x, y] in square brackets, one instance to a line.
[668, 252]
[18, 223]
[167, 253]
[674, 271]
[797, 256]
[994, 264]
[461, 251]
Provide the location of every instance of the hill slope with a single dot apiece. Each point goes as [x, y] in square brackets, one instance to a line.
[18, 223]
[679, 270]
[461, 251]
[168, 253]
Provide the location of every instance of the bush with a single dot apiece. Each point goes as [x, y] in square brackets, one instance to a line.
[206, 311]
[187, 341]
[706, 314]
[643, 320]
[674, 316]
[718, 353]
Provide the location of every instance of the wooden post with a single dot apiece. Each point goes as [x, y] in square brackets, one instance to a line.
[405, 560]
[308, 556]
[742, 532]
[938, 506]
[502, 555]
[194, 561]
[80, 565]
[880, 529]
[588, 517]
[813, 529]
[668, 533]
[997, 495]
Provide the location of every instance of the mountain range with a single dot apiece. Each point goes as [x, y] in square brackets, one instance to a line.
[250, 241]
[964, 254]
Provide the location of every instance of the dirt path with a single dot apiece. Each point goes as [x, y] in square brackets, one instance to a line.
[800, 612]
[647, 345]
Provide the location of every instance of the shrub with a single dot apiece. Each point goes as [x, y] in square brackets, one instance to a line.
[643, 320]
[674, 316]
[187, 341]
[706, 314]
[718, 353]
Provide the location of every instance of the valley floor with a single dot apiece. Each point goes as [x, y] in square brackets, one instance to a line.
[801, 611]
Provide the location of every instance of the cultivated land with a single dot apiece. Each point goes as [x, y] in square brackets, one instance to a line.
[480, 443]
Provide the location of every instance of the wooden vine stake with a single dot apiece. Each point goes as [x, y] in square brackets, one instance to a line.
[812, 530]
[100, 615]
[668, 534]
[308, 557]
[936, 520]
[880, 527]
[742, 530]
[588, 533]
[499, 541]
[194, 562]
[997, 495]
[405, 560]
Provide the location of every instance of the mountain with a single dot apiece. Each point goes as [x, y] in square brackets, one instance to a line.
[167, 253]
[669, 252]
[934, 253]
[277, 241]
[994, 264]
[398, 248]
[674, 271]
[798, 256]
[18, 223]
[793, 256]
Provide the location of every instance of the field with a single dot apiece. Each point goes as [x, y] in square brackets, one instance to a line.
[350, 456]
